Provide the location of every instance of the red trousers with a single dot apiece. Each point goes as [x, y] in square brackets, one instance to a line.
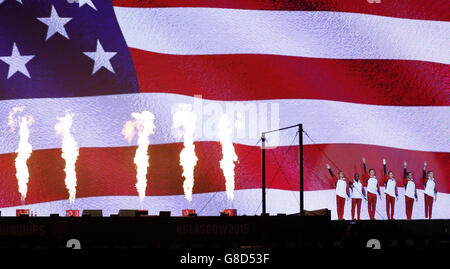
[428, 206]
[390, 205]
[371, 204]
[409, 204]
[340, 202]
[356, 202]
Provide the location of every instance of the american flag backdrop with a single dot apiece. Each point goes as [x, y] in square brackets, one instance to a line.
[365, 79]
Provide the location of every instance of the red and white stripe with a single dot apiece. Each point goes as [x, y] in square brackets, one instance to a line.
[365, 80]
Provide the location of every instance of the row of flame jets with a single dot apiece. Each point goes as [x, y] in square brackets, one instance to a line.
[142, 126]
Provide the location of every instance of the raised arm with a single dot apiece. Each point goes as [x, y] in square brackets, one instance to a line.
[364, 165]
[329, 169]
[424, 174]
[364, 176]
[404, 169]
[385, 173]
[331, 173]
[405, 180]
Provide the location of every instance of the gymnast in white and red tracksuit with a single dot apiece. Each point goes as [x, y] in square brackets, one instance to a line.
[410, 191]
[430, 191]
[390, 189]
[357, 195]
[341, 192]
[372, 187]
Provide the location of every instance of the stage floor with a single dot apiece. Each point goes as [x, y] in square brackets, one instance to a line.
[219, 232]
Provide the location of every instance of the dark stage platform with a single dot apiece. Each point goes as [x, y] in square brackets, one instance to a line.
[219, 232]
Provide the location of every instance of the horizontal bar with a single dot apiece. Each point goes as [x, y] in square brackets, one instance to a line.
[284, 128]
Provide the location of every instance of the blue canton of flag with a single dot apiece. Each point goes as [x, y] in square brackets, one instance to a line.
[62, 48]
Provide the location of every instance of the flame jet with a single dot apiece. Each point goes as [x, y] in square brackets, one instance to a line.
[24, 149]
[185, 119]
[143, 126]
[229, 157]
[70, 152]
